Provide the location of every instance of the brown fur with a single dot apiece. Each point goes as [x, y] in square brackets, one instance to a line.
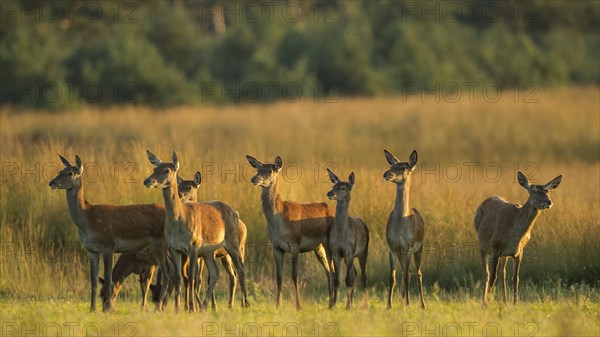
[195, 229]
[293, 227]
[504, 229]
[405, 230]
[348, 239]
[107, 229]
[141, 263]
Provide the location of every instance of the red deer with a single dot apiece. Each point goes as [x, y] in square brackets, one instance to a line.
[349, 237]
[504, 229]
[107, 229]
[405, 228]
[293, 227]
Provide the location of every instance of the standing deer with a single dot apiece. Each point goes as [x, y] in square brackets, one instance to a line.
[106, 229]
[349, 238]
[140, 263]
[188, 192]
[293, 227]
[504, 229]
[405, 229]
[195, 229]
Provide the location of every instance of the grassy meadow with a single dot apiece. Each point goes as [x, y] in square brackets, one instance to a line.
[468, 150]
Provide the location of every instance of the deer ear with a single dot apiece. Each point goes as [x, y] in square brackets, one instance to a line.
[351, 179]
[175, 162]
[412, 160]
[523, 180]
[101, 280]
[153, 159]
[78, 164]
[254, 162]
[278, 163]
[332, 176]
[197, 179]
[553, 183]
[64, 160]
[179, 180]
[390, 158]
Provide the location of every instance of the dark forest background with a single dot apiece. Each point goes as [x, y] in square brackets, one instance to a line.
[61, 54]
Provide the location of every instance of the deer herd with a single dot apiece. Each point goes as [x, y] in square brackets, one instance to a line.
[182, 236]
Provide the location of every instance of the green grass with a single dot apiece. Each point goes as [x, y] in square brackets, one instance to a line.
[568, 316]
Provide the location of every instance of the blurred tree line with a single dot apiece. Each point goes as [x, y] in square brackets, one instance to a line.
[59, 54]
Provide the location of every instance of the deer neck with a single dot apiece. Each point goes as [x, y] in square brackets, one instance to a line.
[271, 202]
[120, 273]
[341, 224]
[524, 220]
[173, 205]
[77, 205]
[401, 206]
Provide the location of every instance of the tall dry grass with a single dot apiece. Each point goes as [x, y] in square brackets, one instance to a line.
[467, 152]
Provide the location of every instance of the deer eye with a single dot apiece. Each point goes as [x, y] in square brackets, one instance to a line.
[166, 170]
[71, 173]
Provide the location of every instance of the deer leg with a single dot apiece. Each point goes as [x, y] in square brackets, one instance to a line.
[295, 254]
[192, 278]
[362, 260]
[199, 282]
[393, 259]
[238, 265]
[418, 262]
[94, 265]
[487, 276]
[145, 280]
[176, 276]
[213, 275]
[278, 254]
[502, 270]
[228, 266]
[186, 281]
[516, 270]
[406, 276]
[108, 262]
[325, 260]
[336, 276]
[295, 278]
[350, 278]
[160, 250]
[402, 263]
[494, 269]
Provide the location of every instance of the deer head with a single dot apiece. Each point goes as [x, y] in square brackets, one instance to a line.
[164, 174]
[187, 188]
[116, 288]
[341, 190]
[69, 177]
[539, 195]
[399, 171]
[266, 174]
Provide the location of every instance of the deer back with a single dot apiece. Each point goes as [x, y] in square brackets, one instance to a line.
[312, 220]
[494, 220]
[124, 228]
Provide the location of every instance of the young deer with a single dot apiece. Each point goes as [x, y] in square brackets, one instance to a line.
[293, 227]
[188, 190]
[405, 229]
[195, 229]
[140, 263]
[349, 238]
[106, 229]
[504, 229]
